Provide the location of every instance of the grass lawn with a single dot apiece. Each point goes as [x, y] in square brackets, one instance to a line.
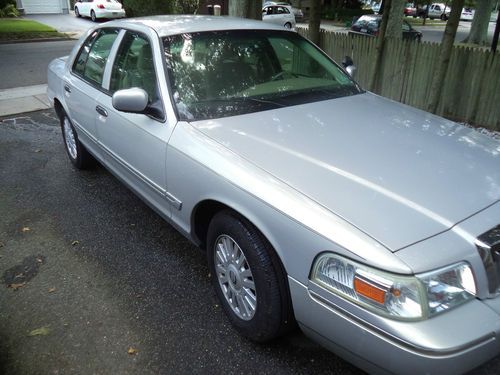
[428, 22]
[19, 28]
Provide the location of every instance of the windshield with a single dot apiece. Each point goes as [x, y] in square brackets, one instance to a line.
[227, 73]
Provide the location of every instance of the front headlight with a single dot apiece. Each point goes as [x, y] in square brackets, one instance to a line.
[396, 296]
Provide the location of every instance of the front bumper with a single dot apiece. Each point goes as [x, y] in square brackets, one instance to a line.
[105, 13]
[450, 343]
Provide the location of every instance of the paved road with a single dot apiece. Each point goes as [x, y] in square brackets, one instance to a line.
[435, 34]
[99, 272]
[430, 33]
[25, 64]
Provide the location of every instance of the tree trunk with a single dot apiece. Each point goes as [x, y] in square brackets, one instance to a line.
[444, 59]
[494, 43]
[395, 21]
[380, 45]
[428, 4]
[314, 21]
[479, 29]
[245, 9]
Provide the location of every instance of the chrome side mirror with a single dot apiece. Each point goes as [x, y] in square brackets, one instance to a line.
[134, 100]
[351, 70]
[349, 66]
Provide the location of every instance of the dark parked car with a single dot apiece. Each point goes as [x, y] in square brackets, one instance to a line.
[370, 25]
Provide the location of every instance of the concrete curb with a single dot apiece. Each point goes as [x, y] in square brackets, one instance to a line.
[16, 41]
[70, 35]
[23, 99]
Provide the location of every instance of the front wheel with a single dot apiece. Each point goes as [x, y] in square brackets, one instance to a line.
[288, 25]
[92, 16]
[77, 12]
[247, 278]
[77, 152]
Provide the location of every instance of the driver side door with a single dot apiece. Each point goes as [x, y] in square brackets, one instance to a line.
[135, 144]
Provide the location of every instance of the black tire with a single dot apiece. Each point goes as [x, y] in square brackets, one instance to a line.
[77, 13]
[78, 155]
[288, 25]
[273, 315]
[92, 16]
[443, 17]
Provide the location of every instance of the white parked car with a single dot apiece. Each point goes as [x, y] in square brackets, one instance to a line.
[467, 14]
[436, 10]
[99, 9]
[279, 15]
[297, 12]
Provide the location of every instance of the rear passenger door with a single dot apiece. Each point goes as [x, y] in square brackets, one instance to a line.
[84, 84]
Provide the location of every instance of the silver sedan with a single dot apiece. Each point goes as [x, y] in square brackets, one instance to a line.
[373, 225]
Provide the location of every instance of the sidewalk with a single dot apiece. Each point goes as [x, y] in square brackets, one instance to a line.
[23, 99]
[33, 98]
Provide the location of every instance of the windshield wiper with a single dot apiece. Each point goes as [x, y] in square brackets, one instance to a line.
[239, 100]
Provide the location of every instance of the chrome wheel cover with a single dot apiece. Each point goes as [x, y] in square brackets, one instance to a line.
[69, 137]
[235, 277]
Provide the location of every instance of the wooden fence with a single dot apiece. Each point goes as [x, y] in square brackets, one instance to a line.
[471, 91]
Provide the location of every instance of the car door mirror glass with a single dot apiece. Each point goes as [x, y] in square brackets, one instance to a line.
[134, 100]
[351, 70]
[349, 66]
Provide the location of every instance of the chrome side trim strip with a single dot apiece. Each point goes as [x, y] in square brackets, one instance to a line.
[173, 201]
[81, 129]
[152, 185]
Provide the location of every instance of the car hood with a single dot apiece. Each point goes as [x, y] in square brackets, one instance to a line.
[397, 173]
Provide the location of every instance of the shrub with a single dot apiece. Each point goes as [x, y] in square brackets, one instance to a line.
[4, 3]
[137, 8]
[344, 14]
[9, 10]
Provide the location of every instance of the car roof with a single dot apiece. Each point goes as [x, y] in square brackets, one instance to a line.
[179, 24]
[374, 16]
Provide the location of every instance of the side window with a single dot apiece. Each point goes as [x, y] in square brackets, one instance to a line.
[93, 56]
[134, 66]
[81, 59]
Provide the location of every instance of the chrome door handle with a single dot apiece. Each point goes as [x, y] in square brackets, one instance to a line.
[101, 111]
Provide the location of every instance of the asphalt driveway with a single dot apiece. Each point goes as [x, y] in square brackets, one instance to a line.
[64, 22]
[94, 282]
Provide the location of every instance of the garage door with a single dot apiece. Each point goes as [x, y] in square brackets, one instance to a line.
[42, 6]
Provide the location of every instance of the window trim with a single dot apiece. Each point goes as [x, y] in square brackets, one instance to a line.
[111, 63]
[81, 76]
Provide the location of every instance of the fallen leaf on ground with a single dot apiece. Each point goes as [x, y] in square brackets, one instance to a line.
[39, 260]
[16, 286]
[74, 243]
[25, 229]
[38, 150]
[132, 351]
[43, 331]
[51, 290]
[1, 244]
